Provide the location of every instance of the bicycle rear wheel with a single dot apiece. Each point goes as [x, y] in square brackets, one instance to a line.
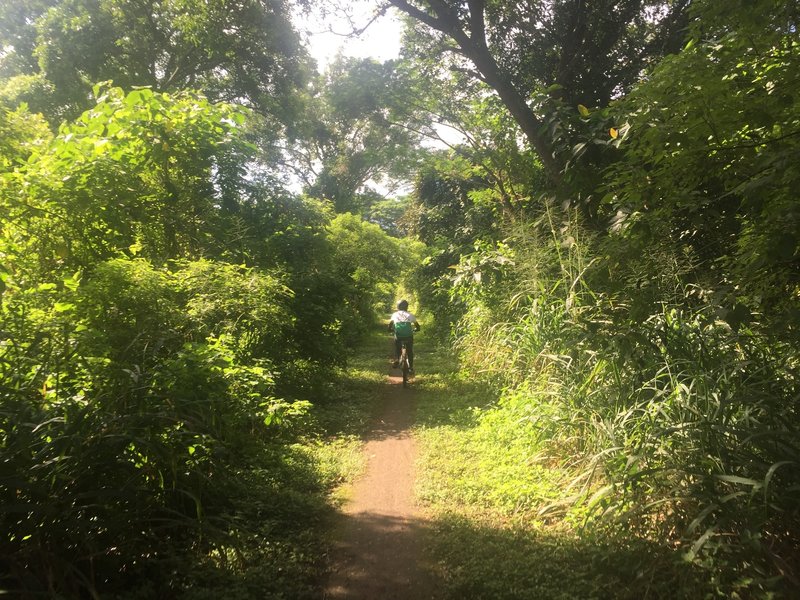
[404, 365]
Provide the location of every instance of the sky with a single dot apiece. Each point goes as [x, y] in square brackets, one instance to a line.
[381, 40]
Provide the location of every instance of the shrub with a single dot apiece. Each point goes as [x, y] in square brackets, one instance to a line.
[131, 404]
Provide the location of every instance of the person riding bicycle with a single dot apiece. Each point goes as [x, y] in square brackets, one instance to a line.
[403, 324]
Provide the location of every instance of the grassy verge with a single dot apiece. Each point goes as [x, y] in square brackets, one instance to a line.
[484, 475]
[285, 505]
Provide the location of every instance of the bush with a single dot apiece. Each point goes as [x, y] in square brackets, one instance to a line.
[131, 404]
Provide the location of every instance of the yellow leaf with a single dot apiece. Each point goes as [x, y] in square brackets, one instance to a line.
[583, 110]
[100, 146]
[614, 133]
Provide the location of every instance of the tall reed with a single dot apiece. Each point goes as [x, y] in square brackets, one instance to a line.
[672, 423]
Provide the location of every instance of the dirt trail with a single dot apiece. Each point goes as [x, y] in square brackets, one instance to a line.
[378, 552]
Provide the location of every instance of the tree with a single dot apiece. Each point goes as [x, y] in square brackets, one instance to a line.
[371, 263]
[532, 52]
[450, 213]
[21, 134]
[134, 175]
[234, 50]
[360, 131]
[388, 213]
[709, 165]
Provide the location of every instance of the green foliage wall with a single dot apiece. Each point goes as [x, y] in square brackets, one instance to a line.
[372, 263]
[652, 339]
[130, 401]
[167, 318]
[135, 174]
[450, 214]
[710, 162]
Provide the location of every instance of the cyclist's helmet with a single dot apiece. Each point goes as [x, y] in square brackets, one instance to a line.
[402, 305]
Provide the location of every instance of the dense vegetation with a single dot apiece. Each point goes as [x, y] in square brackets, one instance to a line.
[166, 317]
[172, 316]
[638, 316]
[194, 237]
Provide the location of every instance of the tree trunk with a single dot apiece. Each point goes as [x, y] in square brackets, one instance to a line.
[528, 122]
[473, 46]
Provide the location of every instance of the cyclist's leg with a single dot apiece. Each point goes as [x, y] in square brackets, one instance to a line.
[410, 350]
[398, 344]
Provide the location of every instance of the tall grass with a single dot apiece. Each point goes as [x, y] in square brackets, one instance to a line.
[672, 424]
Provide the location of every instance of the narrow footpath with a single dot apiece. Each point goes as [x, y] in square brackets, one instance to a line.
[378, 549]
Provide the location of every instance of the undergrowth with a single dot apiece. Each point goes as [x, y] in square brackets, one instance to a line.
[261, 518]
[288, 509]
[637, 418]
[489, 476]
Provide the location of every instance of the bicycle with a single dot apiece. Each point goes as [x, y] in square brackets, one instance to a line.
[403, 363]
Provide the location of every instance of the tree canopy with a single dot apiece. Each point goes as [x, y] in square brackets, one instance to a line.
[532, 53]
[361, 131]
[242, 51]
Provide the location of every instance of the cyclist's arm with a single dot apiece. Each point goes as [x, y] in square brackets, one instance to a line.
[416, 326]
[391, 326]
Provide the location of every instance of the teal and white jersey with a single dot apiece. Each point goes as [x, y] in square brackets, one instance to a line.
[403, 324]
[403, 316]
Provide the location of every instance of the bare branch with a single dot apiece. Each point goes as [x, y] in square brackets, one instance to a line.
[470, 73]
[420, 15]
[356, 31]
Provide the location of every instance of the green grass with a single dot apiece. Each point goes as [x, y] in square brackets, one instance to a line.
[485, 559]
[483, 475]
[342, 419]
[473, 457]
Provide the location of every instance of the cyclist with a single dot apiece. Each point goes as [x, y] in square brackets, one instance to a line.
[403, 324]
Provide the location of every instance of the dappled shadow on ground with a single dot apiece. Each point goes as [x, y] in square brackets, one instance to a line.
[391, 557]
[347, 411]
[480, 561]
[478, 555]
[383, 429]
[463, 397]
[380, 559]
[378, 552]
[397, 554]
[394, 414]
[391, 554]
